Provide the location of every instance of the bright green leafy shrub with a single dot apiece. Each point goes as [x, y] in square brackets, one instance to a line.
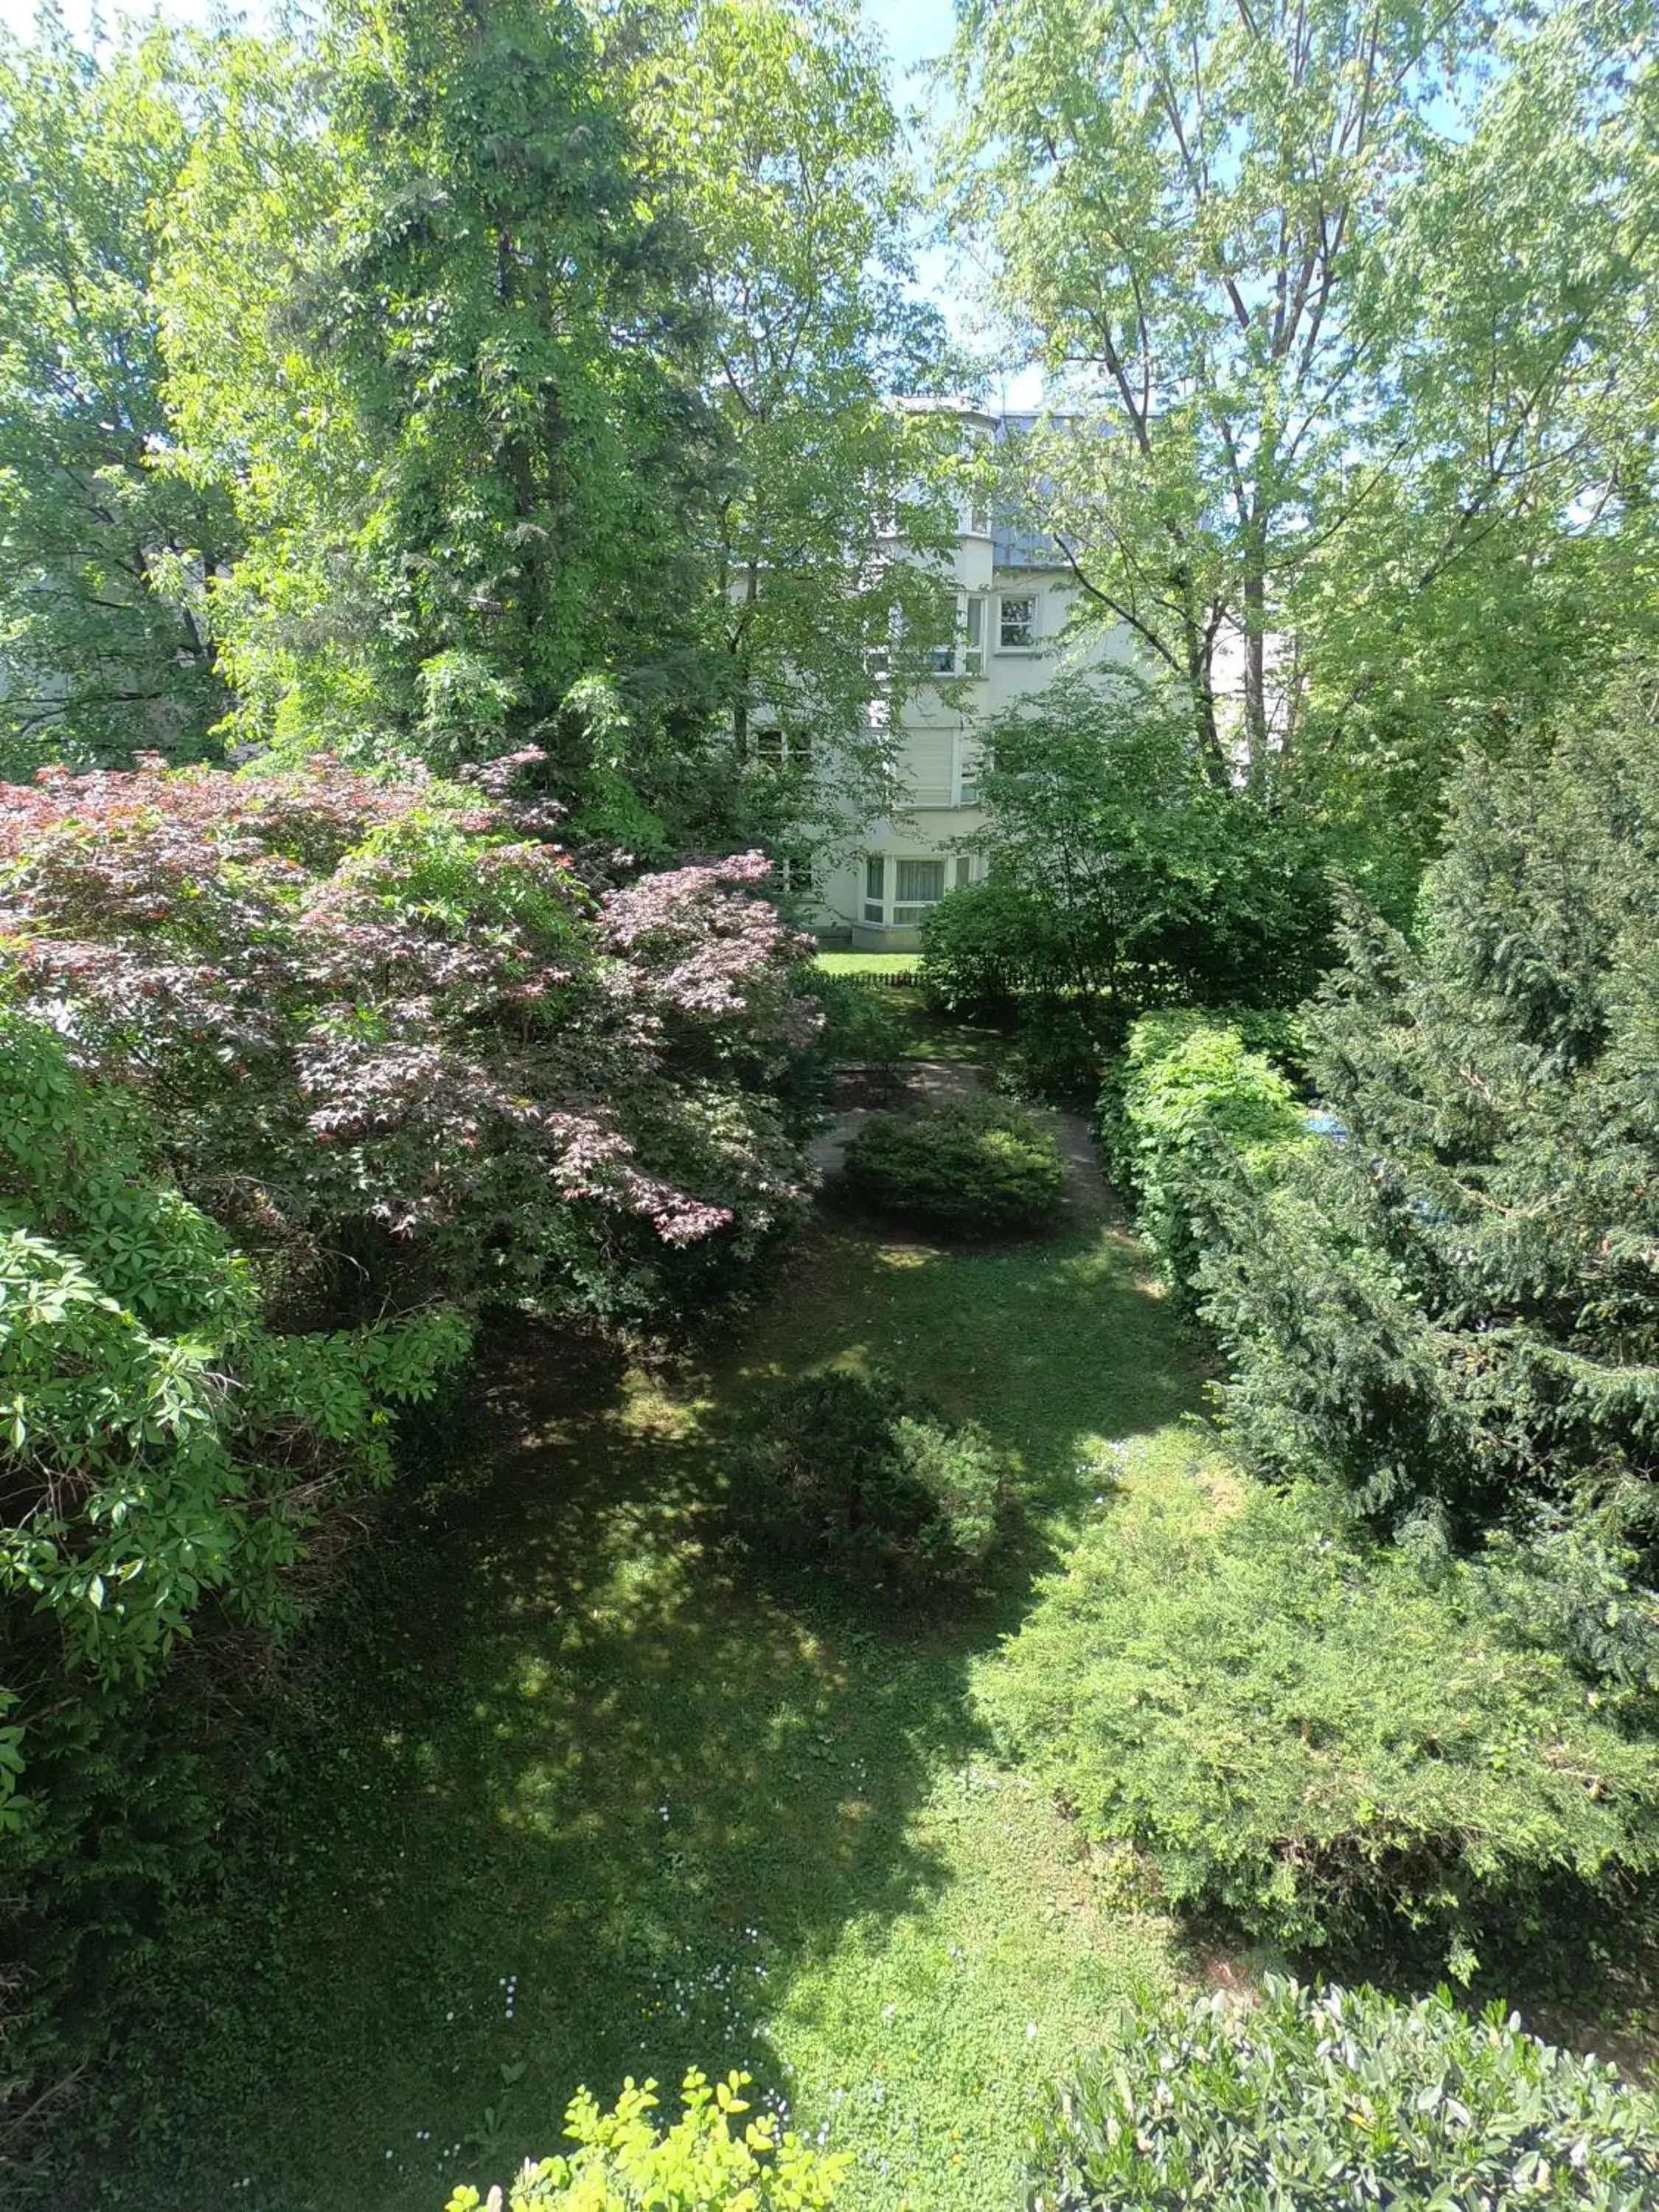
[163, 1454]
[1191, 1089]
[1121, 875]
[1325, 2099]
[972, 1164]
[846, 1472]
[621, 2163]
[1319, 1742]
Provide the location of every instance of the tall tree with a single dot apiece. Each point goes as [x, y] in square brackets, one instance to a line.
[773, 131]
[105, 552]
[1342, 303]
[465, 414]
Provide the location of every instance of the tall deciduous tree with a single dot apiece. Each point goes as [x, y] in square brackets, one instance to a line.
[464, 407]
[105, 552]
[774, 132]
[1344, 305]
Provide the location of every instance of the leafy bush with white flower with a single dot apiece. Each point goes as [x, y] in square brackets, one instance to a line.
[1327, 2099]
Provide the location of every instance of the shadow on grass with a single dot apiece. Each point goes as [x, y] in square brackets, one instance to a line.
[572, 1796]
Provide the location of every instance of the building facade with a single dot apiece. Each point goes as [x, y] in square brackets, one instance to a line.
[1014, 600]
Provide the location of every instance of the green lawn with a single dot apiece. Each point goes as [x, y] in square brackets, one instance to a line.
[578, 1796]
[907, 964]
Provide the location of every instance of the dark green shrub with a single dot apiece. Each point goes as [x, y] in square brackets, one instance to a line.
[1454, 1311]
[985, 946]
[1191, 1087]
[859, 1024]
[846, 1472]
[1324, 2099]
[973, 1165]
[1318, 1741]
[1120, 875]
[1059, 1053]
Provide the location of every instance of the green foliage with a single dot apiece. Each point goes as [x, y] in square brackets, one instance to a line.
[698, 2165]
[976, 1165]
[774, 134]
[427, 318]
[1191, 1089]
[1359, 360]
[1453, 1310]
[1327, 1745]
[164, 1457]
[865, 1475]
[1121, 878]
[107, 553]
[858, 1026]
[1329, 2097]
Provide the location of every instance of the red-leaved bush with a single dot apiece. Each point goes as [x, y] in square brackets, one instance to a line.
[403, 1044]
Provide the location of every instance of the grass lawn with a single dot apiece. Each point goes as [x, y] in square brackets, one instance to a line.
[576, 1794]
[907, 964]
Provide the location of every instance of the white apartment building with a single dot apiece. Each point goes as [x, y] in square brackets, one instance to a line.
[1014, 599]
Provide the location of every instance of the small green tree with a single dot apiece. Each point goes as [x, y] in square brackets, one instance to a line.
[1119, 875]
[1454, 1306]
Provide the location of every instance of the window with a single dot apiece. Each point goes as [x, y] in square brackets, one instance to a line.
[776, 748]
[920, 884]
[875, 887]
[964, 871]
[965, 654]
[796, 873]
[974, 659]
[1017, 629]
[968, 779]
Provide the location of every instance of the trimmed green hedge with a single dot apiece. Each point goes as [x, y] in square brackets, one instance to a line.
[1192, 1093]
[1326, 1744]
[1322, 2101]
[975, 1164]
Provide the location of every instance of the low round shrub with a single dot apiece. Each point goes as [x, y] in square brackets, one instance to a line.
[1330, 1745]
[863, 1474]
[1324, 2099]
[973, 1165]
